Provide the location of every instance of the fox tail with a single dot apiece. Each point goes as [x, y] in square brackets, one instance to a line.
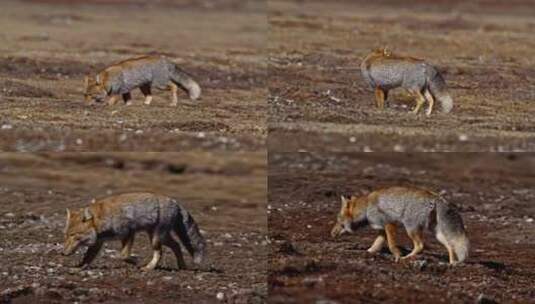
[190, 236]
[450, 230]
[438, 88]
[182, 79]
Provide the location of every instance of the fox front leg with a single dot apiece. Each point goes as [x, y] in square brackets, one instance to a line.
[174, 90]
[90, 255]
[112, 100]
[156, 251]
[145, 89]
[418, 244]
[379, 98]
[378, 244]
[175, 247]
[420, 100]
[127, 98]
[431, 102]
[126, 249]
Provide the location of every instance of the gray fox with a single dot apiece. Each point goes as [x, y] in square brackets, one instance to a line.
[413, 208]
[122, 216]
[143, 73]
[384, 71]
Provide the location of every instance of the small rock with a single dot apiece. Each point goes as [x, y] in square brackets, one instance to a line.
[220, 296]
[463, 137]
[399, 148]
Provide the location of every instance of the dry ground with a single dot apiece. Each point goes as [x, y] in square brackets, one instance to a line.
[48, 46]
[319, 102]
[495, 196]
[225, 193]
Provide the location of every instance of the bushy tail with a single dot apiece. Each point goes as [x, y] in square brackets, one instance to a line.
[188, 232]
[450, 230]
[438, 88]
[185, 81]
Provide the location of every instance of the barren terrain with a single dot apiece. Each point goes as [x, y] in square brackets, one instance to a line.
[225, 193]
[493, 192]
[48, 46]
[318, 100]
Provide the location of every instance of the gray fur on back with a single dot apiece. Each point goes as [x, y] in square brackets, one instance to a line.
[411, 210]
[395, 73]
[157, 74]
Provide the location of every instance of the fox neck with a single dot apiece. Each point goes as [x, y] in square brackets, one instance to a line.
[359, 221]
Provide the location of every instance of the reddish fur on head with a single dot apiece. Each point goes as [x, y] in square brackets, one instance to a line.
[79, 230]
[94, 89]
[351, 209]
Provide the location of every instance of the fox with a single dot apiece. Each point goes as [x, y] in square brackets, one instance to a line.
[143, 72]
[413, 208]
[384, 70]
[122, 216]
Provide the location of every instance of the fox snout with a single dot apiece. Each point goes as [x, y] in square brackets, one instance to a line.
[337, 230]
[69, 248]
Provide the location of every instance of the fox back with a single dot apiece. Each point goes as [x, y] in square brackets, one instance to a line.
[409, 206]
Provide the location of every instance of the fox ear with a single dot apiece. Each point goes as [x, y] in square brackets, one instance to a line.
[344, 201]
[87, 214]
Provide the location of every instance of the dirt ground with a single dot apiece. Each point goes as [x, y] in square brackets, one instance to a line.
[225, 193]
[318, 100]
[49, 46]
[493, 192]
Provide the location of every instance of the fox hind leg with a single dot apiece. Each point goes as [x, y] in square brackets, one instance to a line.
[156, 251]
[390, 230]
[416, 237]
[378, 244]
[145, 89]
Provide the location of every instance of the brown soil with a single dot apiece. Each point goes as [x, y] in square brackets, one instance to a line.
[52, 45]
[494, 193]
[318, 100]
[225, 193]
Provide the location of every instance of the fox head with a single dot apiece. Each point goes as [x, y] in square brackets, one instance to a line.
[352, 216]
[79, 230]
[94, 89]
[383, 51]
